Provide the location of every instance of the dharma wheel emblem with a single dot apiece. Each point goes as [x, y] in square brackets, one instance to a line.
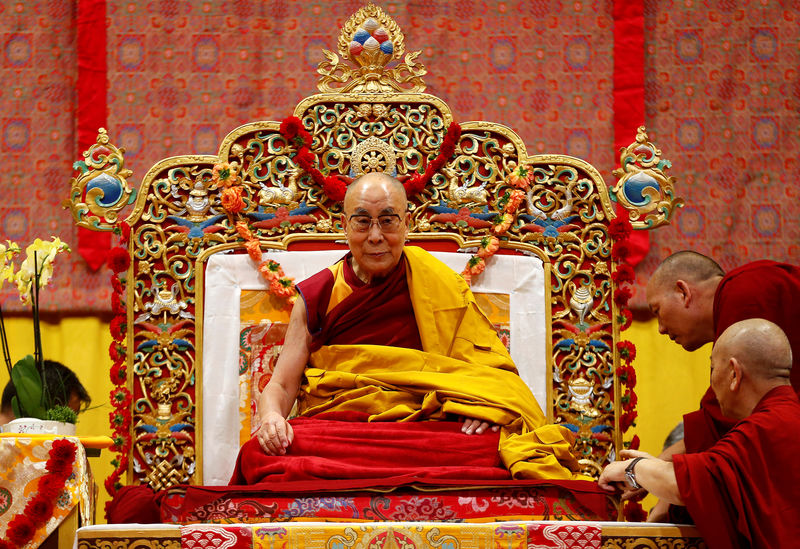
[373, 155]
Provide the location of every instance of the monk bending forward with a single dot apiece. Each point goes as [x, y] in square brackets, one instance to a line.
[381, 343]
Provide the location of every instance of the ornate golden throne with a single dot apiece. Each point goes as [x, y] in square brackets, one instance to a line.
[276, 188]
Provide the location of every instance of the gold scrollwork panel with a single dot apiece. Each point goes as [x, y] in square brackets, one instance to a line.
[635, 542]
[371, 116]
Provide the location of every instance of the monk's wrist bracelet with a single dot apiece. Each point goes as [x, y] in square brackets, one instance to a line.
[630, 473]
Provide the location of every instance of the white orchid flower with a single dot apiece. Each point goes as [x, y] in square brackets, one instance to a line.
[7, 251]
[45, 252]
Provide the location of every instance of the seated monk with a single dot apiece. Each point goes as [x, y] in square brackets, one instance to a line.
[396, 372]
[742, 492]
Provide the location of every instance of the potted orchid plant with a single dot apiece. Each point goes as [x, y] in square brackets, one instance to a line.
[34, 398]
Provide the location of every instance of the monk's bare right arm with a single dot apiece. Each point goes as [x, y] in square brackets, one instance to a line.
[653, 474]
[275, 434]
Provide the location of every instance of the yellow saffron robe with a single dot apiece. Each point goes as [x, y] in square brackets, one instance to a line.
[464, 369]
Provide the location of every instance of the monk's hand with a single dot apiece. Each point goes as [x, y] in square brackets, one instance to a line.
[630, 454]
[275, 434]
[612, 479]
[477, 426]
[627, 491]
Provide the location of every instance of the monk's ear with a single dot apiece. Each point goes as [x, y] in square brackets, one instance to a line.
[684, 292]
[735, 373]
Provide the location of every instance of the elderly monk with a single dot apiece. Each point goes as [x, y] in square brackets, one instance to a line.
[382, 342]
[742, 492]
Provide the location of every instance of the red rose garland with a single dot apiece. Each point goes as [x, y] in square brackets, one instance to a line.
[335, 186]
[40, 507]
[620, 230]
[417, 182]
[120, 397]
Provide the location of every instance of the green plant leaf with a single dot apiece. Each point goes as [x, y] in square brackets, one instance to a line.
[28, 383]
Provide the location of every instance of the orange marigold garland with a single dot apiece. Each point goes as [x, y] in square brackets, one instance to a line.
[278, 283]
[508, 205]
[40, 506]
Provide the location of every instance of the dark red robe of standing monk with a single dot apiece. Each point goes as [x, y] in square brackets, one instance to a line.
[744, 491]
[762, 289]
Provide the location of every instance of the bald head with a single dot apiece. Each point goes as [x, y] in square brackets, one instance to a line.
[686, 265]
[760, 346]
[749, 359]
[374, 180]
[375, 221]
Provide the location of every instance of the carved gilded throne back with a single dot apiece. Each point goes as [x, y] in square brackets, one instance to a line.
[372, 115]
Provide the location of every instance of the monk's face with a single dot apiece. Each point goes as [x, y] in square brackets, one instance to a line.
[676, 318]
[377, 249]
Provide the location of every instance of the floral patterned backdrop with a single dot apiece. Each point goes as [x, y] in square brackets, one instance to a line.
[722, 100]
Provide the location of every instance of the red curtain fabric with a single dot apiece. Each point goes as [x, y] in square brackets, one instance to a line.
[92, 88]
[629, 93]
[721, 96]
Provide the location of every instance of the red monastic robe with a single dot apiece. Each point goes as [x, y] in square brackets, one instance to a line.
[762, 289]
[744, 491]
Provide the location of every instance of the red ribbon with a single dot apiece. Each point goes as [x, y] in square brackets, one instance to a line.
[92, 107]
[629, 94]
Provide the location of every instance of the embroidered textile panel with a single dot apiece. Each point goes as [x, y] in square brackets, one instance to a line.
[721, 97]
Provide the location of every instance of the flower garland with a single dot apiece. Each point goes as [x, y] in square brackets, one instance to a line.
[417, 182]
[120, 397]
[40, 507]
[620, 230]
[508, 206]
[292, 129]
[335, 186]
[280, 285]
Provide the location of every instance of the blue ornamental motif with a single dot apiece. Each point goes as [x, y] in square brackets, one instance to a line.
[635, 186]
[196, 229]
[110, 190]
[361, 36]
